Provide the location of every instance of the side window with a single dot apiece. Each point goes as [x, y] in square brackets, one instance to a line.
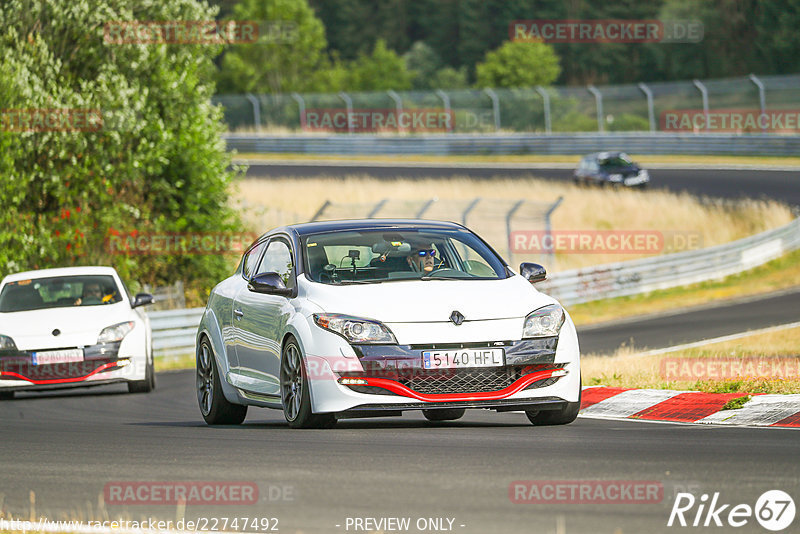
[278, 259]
[251, 259]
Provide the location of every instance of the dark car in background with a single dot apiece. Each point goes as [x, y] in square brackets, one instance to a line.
[610, 168]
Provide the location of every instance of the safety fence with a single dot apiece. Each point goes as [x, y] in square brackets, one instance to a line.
[643, 107]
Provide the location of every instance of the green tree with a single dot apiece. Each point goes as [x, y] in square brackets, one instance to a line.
[518, 64]
[422, 62]
[156, 163]
[298, 63]
[381, 70]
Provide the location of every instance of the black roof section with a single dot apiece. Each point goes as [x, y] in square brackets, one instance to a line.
[369, 224]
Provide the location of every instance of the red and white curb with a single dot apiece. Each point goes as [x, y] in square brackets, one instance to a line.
[690, 407]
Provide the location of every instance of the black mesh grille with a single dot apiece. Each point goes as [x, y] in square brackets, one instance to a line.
[477, 380]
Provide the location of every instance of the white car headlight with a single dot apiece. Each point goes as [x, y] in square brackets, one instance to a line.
[354, 329]
[6, 343]
[544, 322]
[115, 332]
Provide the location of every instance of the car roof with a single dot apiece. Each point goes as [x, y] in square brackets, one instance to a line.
[63, 271]
[302, 229]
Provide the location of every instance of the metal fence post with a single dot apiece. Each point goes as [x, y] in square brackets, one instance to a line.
[598, 98]
[398, 105]
[256, 110]
[546, 102]
[495, 107]
[469, 208]
[651, 113]
[704, 94]
[509, 215]
[301, 105]
[321, 210]
[376, 209]
[762, 98]
[424, 208]
[348, 102]
[548, 229]
[446, 101]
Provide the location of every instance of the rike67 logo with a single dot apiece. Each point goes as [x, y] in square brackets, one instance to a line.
[774, 510]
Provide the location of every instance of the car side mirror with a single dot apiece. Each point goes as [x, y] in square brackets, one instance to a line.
[142, 299]
[269, 284]
[532, 272]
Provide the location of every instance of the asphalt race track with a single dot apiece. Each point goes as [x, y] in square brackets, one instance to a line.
[693, 324]
[722, 183]
[66, 447]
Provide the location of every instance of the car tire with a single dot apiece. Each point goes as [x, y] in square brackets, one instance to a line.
[447, 414]
[295, 393]
[214, 407]
[148, 384]
[556, 417]
[6, 395]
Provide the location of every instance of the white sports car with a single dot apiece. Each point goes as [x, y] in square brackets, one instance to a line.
[340, 319]
[76, 326]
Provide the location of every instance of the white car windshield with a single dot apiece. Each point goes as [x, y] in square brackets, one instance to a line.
[58, 292]
[373, 256]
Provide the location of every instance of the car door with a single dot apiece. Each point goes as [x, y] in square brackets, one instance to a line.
[227, 292]
[261, 321]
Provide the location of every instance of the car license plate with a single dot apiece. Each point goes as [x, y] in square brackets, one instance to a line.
[49, 357]
[461, 358]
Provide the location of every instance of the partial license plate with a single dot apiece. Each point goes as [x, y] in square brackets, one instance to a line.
[461, 358]
[49, 357]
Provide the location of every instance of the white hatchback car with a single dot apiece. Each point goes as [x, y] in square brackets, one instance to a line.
[340, 319]
[75, 326]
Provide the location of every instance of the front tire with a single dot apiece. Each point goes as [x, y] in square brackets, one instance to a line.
[214, 406]
[6, 395]
[447, 414]
[148, 384]
[295, 395]
[557, 417]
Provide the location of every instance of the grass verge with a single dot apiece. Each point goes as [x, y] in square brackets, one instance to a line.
[782, 273]
[769, 363]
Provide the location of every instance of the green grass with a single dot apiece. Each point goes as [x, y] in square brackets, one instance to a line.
[782, 273]
[737, 403]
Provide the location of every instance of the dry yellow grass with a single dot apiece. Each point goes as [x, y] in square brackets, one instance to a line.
[627, 369]
[274, 202]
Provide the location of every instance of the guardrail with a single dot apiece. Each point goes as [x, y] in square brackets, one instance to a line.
[575, 143]
[671, 270]
[174, 330]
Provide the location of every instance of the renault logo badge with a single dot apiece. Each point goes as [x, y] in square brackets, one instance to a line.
[456, 318]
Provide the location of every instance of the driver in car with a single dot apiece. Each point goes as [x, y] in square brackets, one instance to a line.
[422, 259]
[92, 294]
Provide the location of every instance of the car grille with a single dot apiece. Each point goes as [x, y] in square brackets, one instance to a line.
[455, 381]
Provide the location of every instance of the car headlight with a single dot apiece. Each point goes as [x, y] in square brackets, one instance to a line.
[644, 174]
[6, 343]
[115, 332]
[354, 329]
[615, 177]
[544, 322]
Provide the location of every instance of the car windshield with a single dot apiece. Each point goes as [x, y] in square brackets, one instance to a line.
[615, 162]
[59, 292]
[374, 256]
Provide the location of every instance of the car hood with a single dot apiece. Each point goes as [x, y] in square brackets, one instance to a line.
[430, 300]
[79, 326]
